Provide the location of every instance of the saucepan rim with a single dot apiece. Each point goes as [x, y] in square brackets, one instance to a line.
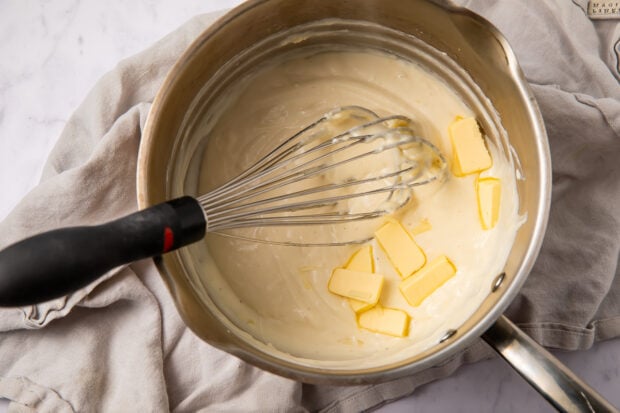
[228, 342]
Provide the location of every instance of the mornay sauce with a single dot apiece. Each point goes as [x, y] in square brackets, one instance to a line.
[278, 294]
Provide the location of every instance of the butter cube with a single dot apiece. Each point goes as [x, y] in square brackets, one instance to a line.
[489, 194]
[397, 123]
[361, 261]
[359, 306]
[420, 285]
[470, 153]
[384, 320]
[404, 254]
[422, 227]
[361, 286]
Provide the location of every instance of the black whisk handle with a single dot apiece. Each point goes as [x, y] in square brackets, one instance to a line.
[55, 263]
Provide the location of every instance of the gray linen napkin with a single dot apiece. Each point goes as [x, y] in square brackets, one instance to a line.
[119, 344]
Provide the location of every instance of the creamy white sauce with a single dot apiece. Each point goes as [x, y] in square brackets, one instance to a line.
[278, 294]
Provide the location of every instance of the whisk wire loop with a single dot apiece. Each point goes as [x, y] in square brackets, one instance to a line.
[313, 177]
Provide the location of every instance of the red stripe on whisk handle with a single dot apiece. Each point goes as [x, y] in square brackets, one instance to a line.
[168, 239]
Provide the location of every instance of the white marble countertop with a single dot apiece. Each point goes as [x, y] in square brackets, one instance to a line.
[52, 55]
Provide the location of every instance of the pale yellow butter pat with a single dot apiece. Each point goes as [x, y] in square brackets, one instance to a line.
[470, 153]
[361, 261]
[420, 285]
[396, 123]
[489, 195]
[385, 321]
[422, 227]
[361, 286]
[359, 306]
[404, 254]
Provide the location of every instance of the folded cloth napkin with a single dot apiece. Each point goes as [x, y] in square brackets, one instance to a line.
[119, 344]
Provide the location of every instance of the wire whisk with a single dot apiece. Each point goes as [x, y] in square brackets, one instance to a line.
[349, 165]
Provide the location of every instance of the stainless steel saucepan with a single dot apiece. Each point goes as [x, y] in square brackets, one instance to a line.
[459, 46]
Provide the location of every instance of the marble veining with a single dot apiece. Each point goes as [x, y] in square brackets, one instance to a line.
[52, 55]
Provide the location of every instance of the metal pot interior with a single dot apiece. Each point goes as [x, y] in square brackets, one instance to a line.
[461, 48]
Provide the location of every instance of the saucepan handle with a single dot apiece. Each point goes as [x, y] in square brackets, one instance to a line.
[565, 391]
